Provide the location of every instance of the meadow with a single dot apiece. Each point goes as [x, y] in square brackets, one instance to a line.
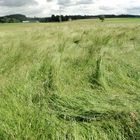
[76, 80]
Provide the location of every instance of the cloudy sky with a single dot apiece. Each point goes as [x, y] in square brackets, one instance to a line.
[69, 7]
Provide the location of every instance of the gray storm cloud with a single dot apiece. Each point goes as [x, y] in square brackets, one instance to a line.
[17, 3]
[133, 10]
[67, 3]
[85, 1]
[64, 2]
[61, 2]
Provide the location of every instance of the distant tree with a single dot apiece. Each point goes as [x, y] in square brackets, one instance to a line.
[53, 18]
[11, 20]
[18, 17]
[102, 18]
[6, 20]
[57, 18]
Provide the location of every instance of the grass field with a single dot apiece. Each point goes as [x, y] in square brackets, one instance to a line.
[76, 80]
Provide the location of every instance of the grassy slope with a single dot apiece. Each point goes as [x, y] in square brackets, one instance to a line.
[77, 81]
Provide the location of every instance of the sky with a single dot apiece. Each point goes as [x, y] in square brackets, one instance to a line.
[44, 8]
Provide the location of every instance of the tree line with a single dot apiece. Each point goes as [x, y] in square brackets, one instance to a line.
[57, 18]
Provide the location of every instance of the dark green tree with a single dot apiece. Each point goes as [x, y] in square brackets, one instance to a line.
[102, 18]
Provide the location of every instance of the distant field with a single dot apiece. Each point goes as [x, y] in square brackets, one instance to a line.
[76, 80]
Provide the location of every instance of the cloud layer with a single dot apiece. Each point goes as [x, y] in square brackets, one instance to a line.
[70, 7]
[17, 3]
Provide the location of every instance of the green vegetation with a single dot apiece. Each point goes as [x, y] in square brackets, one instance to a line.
[13, 18]
[70, 81]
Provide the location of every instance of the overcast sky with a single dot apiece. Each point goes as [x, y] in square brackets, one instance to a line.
[69, 7]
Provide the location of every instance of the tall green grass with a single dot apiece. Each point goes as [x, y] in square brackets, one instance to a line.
[70, 81]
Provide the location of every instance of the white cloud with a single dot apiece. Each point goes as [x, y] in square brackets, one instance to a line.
[84, 7]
